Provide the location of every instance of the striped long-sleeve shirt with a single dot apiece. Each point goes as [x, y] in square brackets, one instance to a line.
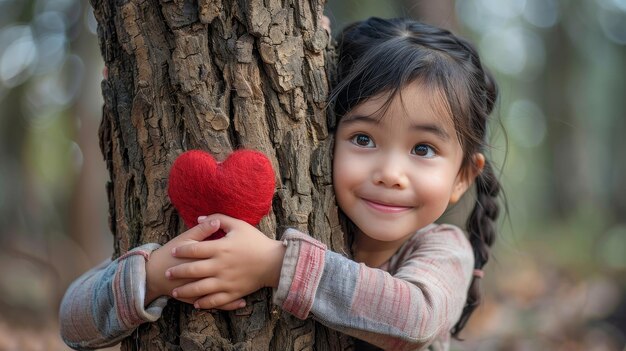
[410, 303]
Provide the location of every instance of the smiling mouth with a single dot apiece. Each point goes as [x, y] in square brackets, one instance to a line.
[386, 208]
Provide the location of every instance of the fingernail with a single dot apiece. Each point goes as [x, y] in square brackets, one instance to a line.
[242, 304]
[196, 305]
[175, 293]
[174, 252]
[214, 222]
[201, 219]
[168, 274]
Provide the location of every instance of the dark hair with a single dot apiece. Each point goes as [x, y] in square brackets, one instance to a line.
[383, 56]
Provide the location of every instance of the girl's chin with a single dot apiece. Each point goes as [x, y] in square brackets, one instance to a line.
[388, 235]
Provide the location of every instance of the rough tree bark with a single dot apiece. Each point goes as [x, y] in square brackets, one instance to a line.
[217, 75]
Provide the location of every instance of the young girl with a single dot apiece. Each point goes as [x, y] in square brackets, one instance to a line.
[412, 103]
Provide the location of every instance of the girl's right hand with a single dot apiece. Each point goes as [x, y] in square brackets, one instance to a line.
[158, 284]
[227, 269]
[326, 23]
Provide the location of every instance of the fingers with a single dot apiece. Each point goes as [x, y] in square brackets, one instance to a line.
[199, 250]
[202, 231]
[226, 223]
[211, 297]
[199, 288]
[218, 300]
[192, 270]
[231, 306]
[326, 23]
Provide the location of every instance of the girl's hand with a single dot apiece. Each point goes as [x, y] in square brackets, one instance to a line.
[326, 23]
[242, 262]
[157, 284]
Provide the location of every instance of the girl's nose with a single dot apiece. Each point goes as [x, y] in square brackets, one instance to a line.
[390, 173]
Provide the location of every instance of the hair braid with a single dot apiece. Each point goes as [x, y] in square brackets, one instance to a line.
[482, 234]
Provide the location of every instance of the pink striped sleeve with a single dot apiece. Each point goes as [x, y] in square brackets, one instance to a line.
[390, 308]
[125, 295]
[302, 270]
[106, 304]
[411, 304]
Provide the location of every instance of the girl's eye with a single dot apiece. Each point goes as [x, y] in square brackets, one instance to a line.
[424, 150]
[363, 140]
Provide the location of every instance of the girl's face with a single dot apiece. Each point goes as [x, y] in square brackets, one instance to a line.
[396, 171]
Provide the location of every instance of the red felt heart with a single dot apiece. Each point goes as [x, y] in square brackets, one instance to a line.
[242, 186]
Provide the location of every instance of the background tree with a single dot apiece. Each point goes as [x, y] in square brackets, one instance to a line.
[217, 76]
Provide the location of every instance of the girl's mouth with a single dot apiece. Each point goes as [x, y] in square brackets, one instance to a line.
[386, 208]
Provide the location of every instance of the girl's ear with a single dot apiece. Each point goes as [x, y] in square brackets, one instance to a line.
[466, 177]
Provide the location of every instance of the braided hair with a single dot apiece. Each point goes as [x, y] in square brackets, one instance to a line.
[383, 56]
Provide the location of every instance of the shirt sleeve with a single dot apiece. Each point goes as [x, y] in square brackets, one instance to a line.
[106, 304]
[409, 310]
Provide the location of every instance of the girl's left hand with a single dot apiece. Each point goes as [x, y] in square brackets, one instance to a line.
[242, 262]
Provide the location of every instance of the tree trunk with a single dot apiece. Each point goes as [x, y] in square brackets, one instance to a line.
[217, 75]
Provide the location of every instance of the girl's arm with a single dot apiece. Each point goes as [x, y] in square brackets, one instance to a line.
[418, 304]
[110, 301]
[106, 304]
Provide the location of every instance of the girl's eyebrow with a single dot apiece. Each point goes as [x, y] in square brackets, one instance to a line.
[359, 118]
[431, 128]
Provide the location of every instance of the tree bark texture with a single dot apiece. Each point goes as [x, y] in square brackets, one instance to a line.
[217, 75]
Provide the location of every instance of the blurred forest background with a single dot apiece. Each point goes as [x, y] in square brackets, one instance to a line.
[557, 279]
